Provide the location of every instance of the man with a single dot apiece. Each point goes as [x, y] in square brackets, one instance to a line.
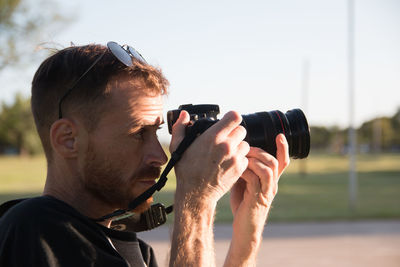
[97, 112]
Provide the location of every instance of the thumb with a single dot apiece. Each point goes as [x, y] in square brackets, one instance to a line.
[178, 130]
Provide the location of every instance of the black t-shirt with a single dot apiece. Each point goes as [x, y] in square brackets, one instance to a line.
[44, 231]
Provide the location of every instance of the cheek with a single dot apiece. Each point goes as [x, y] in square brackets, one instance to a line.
[128, 156]
[124, 154]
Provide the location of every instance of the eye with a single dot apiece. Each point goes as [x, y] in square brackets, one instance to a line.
[139, 134]
[145, 132]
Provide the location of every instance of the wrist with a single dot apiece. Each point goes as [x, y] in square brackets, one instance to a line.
[195, 212]
[194, 203]
[192, 192]
[192, 238]
[241, 256]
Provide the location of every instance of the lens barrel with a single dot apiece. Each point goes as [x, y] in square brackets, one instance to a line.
[263, 127]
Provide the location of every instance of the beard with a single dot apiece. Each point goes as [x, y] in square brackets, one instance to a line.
[105, 181]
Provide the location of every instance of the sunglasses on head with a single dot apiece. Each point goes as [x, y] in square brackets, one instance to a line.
[124, 54]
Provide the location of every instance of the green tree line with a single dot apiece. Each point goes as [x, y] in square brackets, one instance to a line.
[381, 134]
[18, 134]
[17, 129]
[23, 24]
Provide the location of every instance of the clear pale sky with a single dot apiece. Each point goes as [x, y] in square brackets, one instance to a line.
[249, 55]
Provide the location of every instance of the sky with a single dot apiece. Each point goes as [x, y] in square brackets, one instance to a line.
[248, 56]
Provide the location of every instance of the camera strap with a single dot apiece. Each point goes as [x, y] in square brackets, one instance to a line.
[125, 219]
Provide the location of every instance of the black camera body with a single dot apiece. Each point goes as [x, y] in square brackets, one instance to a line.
[262, 127]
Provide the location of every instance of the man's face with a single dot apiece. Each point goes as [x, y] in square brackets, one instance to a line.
[124, 156]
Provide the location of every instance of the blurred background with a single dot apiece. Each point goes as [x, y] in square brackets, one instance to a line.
[339, 61]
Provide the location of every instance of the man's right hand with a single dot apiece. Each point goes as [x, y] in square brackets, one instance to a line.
[214, 161]
[207, 170]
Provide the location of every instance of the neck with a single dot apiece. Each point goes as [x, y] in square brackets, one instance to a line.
[68, 187]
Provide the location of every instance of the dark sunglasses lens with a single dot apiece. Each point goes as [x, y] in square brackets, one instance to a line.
[136, 54]
[120, 53]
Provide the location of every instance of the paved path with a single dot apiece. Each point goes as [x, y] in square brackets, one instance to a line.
[339, 244]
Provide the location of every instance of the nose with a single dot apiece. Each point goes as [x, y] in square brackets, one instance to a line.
[156, 156]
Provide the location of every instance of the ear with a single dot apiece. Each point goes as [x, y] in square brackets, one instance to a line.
[63, 137]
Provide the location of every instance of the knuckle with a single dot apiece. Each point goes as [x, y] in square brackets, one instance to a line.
[251, 161]
[286, 162]
[224, 148]
[269, 172]
[236, 161]
[274, 163]
[233, 116]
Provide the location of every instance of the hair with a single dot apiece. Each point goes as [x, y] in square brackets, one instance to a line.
[90, 96]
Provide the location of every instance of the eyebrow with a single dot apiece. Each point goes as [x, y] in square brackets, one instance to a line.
[133, 126]
[157, 123]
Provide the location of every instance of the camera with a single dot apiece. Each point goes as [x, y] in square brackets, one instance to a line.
[262, 127]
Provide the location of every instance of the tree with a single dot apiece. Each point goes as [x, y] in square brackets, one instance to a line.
[395, 121]
[321, 137]
[381, 133]
[17, 128]
[22, 25]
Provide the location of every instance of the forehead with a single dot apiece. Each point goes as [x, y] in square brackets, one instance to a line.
[133, 100]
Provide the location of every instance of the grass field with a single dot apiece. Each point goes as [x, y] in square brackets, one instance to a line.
[320, 194]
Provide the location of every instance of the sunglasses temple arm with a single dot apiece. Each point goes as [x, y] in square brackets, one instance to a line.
[75, 83]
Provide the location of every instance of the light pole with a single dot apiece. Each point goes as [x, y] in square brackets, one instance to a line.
[352, 131]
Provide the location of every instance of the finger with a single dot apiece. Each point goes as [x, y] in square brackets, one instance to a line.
[237, 135]
[237, 190]
[265, 174]
[243, 149]
[239, 186]
[226, 125]
[178, 130]
[252, 180]
[266, 159]
[282, 153]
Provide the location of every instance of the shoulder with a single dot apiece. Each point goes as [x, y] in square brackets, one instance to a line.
[39, 218]
[36, 211]
[45, 229]
[47, 218]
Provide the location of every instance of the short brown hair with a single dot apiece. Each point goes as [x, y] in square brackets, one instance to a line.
[61, 70]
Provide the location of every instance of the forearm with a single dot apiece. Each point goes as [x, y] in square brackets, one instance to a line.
[243, 250]
[248, 226]
[193, 238]
[236, 257]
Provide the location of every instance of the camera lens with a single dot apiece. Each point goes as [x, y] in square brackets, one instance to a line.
[263, 127]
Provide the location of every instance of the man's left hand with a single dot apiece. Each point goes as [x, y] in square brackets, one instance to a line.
[251, 199]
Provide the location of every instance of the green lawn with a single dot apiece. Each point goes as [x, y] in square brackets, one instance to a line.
[320, 194]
